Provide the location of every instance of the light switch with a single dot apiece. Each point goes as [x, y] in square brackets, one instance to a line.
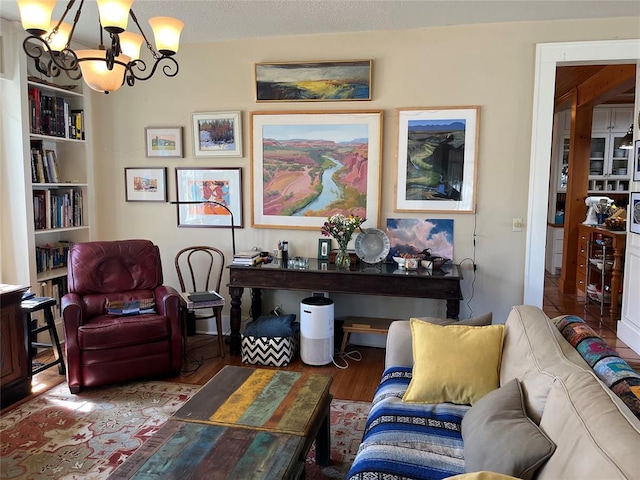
[517, 225]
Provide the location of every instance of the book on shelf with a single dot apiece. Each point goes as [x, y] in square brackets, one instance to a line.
[204, 299]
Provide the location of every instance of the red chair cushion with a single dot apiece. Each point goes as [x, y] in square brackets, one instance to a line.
[109, 332]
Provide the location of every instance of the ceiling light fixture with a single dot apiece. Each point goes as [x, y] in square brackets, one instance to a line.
[105, 69]
[627, 140]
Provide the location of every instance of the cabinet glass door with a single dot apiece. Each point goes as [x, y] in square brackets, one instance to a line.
[619, 158]
[564, 165]
[596, 161]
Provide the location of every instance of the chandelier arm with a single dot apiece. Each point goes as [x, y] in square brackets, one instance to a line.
[75, 20]
[66, 11]
[155, 54]
[66, 60]
[170, 69]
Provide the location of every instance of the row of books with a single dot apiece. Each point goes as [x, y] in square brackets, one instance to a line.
[55, 288]
[247, 257]
[52, 256]
[44, 164]
[52, 115]
[60, 208]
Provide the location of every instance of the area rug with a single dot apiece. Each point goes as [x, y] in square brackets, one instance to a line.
[347, 427]
[86, 436]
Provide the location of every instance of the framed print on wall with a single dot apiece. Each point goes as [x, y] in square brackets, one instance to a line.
[324, 247]
[313, 81]
[437, 155]
[217, 134]
[307, 166]
[223, 185]
[636, 154]
[163, 142]
[634, 216]
[145, 184]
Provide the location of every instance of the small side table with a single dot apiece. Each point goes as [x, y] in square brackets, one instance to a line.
[45, 304]
[363, 325]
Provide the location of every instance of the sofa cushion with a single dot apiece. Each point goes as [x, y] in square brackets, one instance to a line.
[500, 437]
[535, 352]
[457, 364]
[596, 436]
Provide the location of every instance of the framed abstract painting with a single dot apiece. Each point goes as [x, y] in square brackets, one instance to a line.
[307, 166]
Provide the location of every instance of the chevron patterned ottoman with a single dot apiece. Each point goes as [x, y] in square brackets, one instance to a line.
[271, 351]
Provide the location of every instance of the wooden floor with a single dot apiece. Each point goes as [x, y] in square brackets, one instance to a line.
[360, 379]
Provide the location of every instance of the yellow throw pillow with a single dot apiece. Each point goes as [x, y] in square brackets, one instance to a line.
[454, 363]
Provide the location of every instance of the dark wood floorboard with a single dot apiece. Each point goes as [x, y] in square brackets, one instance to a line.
[359, 381]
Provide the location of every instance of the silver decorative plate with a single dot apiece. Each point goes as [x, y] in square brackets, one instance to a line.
[372, 245]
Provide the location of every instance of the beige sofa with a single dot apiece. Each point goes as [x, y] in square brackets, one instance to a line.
[596, 435]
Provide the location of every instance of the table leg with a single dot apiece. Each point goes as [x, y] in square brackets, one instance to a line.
[323, 440]
[453, 309]
[235, 319]
[256, 303]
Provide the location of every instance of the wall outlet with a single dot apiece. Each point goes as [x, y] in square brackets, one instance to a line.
[517, 225]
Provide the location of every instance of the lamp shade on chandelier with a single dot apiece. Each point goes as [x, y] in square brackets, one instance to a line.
[104, 69]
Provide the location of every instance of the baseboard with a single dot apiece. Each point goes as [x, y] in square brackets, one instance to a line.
[207, 326]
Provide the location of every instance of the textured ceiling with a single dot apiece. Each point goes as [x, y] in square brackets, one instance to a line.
[213, 20]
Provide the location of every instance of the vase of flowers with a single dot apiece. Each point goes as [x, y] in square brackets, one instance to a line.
[341, 227]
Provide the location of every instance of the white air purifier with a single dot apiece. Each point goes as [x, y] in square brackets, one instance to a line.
[316, 330]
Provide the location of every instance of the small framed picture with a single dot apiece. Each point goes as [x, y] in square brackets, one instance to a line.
[634, 215]
[636, 155]
[163, 142]
[217, 134]
[324, 247]
[145, 184]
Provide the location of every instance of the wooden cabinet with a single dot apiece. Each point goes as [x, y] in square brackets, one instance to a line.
[599, 267]
[15, 379]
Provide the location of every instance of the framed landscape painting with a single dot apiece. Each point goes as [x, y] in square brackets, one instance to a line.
[145, 184]
[217, 134]
[437, 155]
[307, 166]
[313, 81]
[412, 236]
[163, 142]
[223, 185]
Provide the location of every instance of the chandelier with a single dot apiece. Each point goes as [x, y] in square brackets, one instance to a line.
[107, 68]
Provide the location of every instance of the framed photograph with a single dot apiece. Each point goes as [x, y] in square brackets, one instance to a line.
[636, 168]
[217, 134]
[634, 215]
[437, 156]
[324, 247]
[163, 142]
[222, 185]
[307, 166]
[145, 184]
[313, 81]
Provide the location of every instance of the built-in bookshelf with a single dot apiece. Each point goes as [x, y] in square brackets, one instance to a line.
[60, 164]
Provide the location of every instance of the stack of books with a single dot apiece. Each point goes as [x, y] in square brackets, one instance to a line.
[247, 257]
[206, 299]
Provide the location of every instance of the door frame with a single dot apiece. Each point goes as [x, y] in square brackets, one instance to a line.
[548, 57]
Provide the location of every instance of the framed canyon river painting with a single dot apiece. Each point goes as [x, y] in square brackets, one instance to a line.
[307, 166]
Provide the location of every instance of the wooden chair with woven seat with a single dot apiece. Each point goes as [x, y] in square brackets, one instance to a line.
[203, 267]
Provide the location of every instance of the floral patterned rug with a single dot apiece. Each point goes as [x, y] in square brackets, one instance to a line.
[86, 436]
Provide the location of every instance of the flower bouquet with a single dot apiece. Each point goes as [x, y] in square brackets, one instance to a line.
[341, 227]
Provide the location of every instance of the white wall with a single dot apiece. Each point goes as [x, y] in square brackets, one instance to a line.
[487, 65]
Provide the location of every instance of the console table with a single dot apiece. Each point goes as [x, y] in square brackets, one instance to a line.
[322, 276]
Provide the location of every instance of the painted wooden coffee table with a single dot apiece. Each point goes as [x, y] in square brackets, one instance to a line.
[247, 423]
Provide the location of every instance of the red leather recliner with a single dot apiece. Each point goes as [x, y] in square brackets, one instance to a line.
[103, 348]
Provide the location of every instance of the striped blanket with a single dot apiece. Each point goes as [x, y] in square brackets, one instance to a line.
[405, 441]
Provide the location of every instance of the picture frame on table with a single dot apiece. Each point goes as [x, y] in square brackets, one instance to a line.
[205, 184]
[636, 163]
[145, 184]
[324, 247]
[217, 134]
[437, 159]
[313, 81]
[163, 142]
[308, 165]
[634, 215]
